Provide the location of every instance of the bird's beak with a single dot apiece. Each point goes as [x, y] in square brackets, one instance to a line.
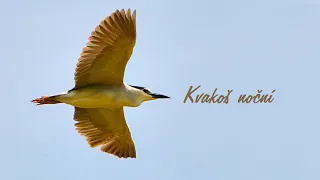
[158, 96]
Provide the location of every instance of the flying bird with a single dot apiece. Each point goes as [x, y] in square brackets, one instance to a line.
[100, 93]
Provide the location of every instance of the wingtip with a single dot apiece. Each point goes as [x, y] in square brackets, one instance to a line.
[123, 9]
[117, 148]
[129, 10]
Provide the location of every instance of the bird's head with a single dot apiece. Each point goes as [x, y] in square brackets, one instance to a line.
[148, 95]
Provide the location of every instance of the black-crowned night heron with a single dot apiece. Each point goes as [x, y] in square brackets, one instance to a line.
[100, 94]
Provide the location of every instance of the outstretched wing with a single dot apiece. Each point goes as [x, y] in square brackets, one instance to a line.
[104, 59]
[106, 128]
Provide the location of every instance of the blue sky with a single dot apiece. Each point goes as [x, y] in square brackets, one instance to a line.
[238, 45]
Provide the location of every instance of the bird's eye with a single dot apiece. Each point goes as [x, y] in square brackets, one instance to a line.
[146, 91]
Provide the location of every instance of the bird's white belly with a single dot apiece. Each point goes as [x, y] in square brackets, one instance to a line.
[94, 103]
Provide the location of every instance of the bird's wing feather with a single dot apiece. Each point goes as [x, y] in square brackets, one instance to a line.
[104, 59]
[106, 127]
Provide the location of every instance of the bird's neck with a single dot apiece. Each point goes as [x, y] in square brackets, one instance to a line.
[134, 96]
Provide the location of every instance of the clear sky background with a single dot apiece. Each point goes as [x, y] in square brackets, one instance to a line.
[238, 45]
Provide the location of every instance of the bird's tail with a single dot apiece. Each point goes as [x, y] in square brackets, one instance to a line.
[46, 100]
